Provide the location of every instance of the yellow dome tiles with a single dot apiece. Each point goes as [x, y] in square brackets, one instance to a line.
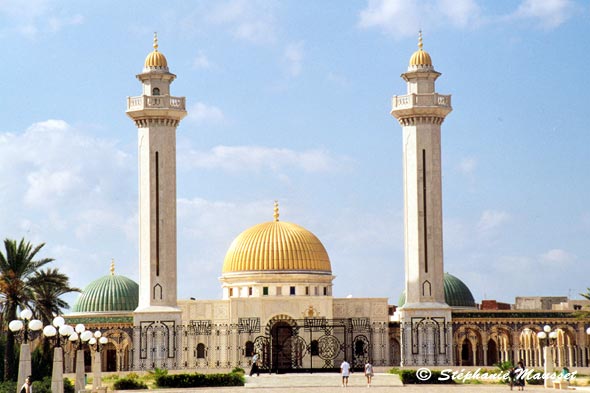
[420, 57]
[276, 246]
[156, 59]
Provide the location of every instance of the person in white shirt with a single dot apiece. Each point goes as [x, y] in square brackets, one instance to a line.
[369, 373]
[345, 371]
[27, 387]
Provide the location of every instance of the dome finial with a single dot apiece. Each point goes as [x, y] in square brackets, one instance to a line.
[112, 267]
[420, 39]
[276, 214]
[156, 41]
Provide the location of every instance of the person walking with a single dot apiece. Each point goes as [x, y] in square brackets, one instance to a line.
[520, 375]
[345, 371]
[368, 373]
[255, 369]
[27, 387]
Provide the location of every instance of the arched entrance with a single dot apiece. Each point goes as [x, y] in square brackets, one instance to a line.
[492, 352]
[281, 334]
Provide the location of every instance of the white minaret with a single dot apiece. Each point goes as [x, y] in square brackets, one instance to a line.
[425, 317]
[157, 114]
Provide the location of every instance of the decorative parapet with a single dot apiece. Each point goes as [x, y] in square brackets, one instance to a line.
[413, 100]
[155, 102]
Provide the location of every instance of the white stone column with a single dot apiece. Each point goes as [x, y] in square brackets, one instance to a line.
[96, 370]
[80, 371]
[548, 366]
[57, 375]
[24, 365]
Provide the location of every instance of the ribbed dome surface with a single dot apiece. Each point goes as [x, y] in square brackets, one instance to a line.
[457, 294]
[156, 59]
[421, 58]
[108, 293]
[276, 246]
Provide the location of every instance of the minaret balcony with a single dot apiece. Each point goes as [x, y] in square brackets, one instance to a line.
[155, 102]
[431, 104]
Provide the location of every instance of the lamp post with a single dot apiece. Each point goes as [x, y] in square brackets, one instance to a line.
[78, 338]
[24, 326]
[547, 334]
[97, 341]
[59, 331]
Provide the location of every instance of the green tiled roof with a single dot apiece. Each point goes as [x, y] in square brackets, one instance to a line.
[457, 294]
[108, 293]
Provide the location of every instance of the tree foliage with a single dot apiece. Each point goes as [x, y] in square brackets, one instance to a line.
[24, 284]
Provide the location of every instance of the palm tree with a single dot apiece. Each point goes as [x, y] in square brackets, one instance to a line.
[584, 313]
[17, 266]
[47, 287]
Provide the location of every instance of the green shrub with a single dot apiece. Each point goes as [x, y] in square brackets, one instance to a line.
[199, 380]
[238, 370]
[42, 386]
[8, 387]
[409, 377]
[128, 383]
[69, 386]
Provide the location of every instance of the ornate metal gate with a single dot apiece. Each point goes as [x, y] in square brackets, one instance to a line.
[284, 345]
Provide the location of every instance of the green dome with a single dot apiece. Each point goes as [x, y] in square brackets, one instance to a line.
[457, 294]
[108, 293]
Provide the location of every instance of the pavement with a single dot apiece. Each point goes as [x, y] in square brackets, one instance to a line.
[331, 383]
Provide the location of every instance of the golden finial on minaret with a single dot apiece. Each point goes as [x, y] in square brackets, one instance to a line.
[420, 39]
[156, 41]
[276, 214]
[112, 266]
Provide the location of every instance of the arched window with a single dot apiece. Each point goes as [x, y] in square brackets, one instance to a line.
[155, 91]
[200, 351]
[249, 349]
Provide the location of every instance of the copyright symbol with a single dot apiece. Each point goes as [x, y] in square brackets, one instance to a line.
[423, 374]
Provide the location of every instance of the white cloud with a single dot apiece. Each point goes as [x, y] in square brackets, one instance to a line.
[34, 17]
[491, 220]
[293, 57]
[56, 23]
[73, 191]
[548, 13]
[400, 18]
[557, 256]
[57, 173]
[338, 79]
[468, 165]
[202, 113]
[201, 61]
[258, 158]
[249, 20]
[44, 186]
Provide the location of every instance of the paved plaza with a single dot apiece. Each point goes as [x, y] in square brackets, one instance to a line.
[331, 382]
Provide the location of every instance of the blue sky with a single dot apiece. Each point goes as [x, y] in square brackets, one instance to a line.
[290, 100]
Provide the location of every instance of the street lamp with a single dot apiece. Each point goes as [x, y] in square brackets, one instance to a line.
[59, 331]
[547, 334]
[24, 326]
[77, 340]
[96, 342]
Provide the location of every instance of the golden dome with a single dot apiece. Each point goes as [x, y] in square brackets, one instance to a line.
[276, 246]
[420, 57]
[156, 59]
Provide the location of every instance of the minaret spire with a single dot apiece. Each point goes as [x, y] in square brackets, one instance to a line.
[156, 121]
[420, 113]
[420, 39]
[276, 211]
